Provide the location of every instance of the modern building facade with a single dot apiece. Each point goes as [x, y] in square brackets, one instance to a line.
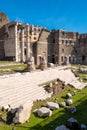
[20, 41]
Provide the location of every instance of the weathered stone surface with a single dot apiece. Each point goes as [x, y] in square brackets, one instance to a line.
[50, 65]
[23, 113]
[83, 127]
[71, 120]
[62, 104]
[68, 95]
[6, 108]
[35, 111]
[43, 64]
[83, 70]
[44, 112]
[30, 64]
[4, 19]
[62, 127]
[12, 124]
[71, 110]
[69, 102]
[72, 123]
[49, 89]
[13, 110]
[52, 105]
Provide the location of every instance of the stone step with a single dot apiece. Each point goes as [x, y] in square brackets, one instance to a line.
[20, 88]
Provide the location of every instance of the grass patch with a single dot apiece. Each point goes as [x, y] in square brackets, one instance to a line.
[82, 76]
[12, 69]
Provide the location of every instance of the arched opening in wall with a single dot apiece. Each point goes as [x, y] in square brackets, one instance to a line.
[25, 51]
[69, 59]
[49, 59]
[40, 58]
[62, 59]
[62, 50]
[73, 60]
[53, 59]
[83, 58]
[65, 60]
[53, 40]
[56, 59]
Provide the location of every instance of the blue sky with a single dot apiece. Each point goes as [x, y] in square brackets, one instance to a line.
[70, 15]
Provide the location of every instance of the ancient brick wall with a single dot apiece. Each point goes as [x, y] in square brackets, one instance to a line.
[3, 19]
[9, 44]
[42, 46]
[81, 49]
[66, 42]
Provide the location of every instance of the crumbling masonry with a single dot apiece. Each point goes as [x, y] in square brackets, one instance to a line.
[21, 41]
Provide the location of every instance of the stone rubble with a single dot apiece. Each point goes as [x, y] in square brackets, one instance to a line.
[23, 113]
[69, 102]
[62, 127]
[52, 105]
[44, 112]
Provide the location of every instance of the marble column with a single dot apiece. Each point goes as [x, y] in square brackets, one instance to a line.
[28, 44]
[16, 44]
[22, 46]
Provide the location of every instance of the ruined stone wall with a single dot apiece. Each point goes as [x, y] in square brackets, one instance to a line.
[3, 19]
[2, 54]
[42, 46]
[81, 49]
[67, 41]
[1, 45]
[54, 48]
[9, 44]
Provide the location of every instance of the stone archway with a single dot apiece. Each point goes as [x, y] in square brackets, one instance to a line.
[83, 58]
[53, 59]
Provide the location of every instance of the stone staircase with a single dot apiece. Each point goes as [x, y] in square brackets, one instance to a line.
[20, 88]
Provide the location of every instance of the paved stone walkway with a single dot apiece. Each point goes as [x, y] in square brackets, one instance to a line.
[18, 88]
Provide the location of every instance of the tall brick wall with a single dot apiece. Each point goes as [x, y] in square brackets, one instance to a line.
[3, 19]
[42, 46]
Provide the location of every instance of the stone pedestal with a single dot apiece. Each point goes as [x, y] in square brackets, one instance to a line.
[43, 64]
[30, 65]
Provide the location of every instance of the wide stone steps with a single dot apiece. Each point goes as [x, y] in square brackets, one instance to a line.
[20, 88]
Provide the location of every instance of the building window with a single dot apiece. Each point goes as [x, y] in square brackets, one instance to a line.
[62, 50]
[66, 41]
[25, 29]
[34, 38]
[69, 59]
[62, 41]
[0, 20]
[83, 58]
[30, 32]
[38, 30]
[19, 31]
[53, 40]
[63, 33]
[25, 52]
[34, 29]
[70, 42]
